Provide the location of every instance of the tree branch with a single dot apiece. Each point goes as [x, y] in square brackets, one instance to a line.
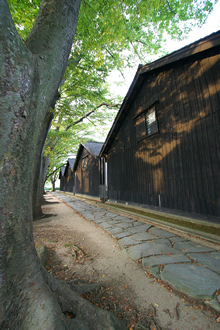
[92, 111]
[91, 122]
[141, 42]
[114, 59]
[56, 20]
[170, 8]
[8, 32]
[57, 168]
[135, 50]
[130, 41]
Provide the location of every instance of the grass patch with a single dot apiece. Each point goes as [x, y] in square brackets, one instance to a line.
[68, 245]
[179, 222]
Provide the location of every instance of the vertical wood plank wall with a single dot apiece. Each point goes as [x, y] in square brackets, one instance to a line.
[62, 183]
[87, 179]
[178, 168]
[69, 179]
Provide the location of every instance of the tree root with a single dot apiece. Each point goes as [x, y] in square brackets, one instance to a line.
[85, 315]
[46, 303]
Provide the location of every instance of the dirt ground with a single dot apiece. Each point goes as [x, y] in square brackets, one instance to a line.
[82, 252]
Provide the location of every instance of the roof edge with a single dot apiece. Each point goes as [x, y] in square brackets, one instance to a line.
[196, 47]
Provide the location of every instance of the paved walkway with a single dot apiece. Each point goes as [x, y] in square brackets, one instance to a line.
[189, 267]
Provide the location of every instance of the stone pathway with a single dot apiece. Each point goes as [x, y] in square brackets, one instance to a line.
[189, 267]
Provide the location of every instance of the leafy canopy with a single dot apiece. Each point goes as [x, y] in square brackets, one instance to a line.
[108, 27]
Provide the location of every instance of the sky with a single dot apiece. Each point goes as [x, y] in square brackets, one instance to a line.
[212, 25]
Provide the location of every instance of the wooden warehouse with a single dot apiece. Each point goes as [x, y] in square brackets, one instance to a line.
[163, 149]
[86, 169]
[69, 176]
[62, 178]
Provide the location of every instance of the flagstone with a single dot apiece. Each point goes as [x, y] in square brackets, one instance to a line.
[191, 247]
[125, 225]
[161, 232]
[192, 280]
[145, 236]
[164, 259]
[126, 241]
[115, 230]
[105, 224]
[139, 229]
[148, 249]
[178, 239]
[155, 271]
[121, 234]
[210, 260]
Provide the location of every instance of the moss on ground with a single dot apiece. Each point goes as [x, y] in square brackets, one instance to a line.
[179, 222]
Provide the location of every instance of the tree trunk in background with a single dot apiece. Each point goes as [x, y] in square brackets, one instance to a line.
[38, 197]
[39, 177]
[42, 164]
[53, 181]
[46, 161]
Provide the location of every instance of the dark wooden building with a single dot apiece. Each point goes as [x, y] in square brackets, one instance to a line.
[86, 167]
[69, 176]
[163, 149]
[62, 178]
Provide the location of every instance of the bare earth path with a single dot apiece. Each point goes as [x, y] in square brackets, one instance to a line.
[82, 252]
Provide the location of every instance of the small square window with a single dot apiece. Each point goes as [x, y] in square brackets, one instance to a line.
[146, 123]
[151, 121]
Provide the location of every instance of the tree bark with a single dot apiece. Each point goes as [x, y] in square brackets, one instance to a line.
[46, 161]
[38, 192]
[53, 181]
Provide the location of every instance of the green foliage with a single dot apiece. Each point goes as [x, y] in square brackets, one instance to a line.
[107, 28]
[24, 13]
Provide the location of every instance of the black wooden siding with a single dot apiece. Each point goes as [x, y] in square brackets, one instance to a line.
[62, 179]
[87, 179]
[62, 183]
[178, 168]
[69, 179]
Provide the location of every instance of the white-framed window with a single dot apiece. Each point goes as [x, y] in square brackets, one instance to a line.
[146, 123]
[151, 121]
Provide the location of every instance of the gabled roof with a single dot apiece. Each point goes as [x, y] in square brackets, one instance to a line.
[210, 42]
[62, 171]
[92, 147]
[71, 162]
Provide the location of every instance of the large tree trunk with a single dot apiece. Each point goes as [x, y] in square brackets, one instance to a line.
[29, 78]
